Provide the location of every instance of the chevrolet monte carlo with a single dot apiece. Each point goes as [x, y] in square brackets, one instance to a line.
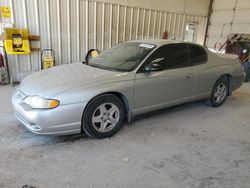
[126, 80]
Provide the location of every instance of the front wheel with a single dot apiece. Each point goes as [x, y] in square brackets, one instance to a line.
[219, 93]
[104, 116]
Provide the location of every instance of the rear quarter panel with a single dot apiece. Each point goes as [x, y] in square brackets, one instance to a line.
[207, 74]
[236, 70]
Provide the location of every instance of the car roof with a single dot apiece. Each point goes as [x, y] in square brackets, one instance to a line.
[161, 42]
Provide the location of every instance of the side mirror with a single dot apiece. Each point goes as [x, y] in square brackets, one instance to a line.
[153, 67]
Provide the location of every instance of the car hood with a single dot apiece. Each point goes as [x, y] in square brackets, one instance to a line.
[55, 80]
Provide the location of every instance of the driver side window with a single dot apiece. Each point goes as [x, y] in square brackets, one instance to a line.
[170, 56]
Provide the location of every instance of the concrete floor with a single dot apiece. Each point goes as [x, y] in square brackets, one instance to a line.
[189, 146]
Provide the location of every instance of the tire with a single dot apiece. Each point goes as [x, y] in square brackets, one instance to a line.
[103, 116]
[219, 93]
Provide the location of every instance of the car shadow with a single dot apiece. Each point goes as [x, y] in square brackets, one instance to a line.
[48, 140]
[169, 110]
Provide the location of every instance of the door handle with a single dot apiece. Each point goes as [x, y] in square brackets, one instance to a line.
[189, 76]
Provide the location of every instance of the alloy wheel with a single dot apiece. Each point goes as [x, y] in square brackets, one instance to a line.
[105, 117]
[220, 92]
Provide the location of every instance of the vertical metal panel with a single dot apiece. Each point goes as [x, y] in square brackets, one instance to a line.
[69, 32]
[134, 23]
[165, 21]
[183, 27]
[82, 27]
[121, 23]
[113, 28]
[48, 23]
[95, 21]
[159, 25]
[73, 27]
[59, 32]
[137, 23]
[174, 25]
[149, 21]
[87, 24]
[78, 29]
[32, 23]
[13, 66]
[74, 36]
[143, 22]
[131, 23]
[25, 12]
[154, 24]
[91, 25]
[140, 24]
[110, 26]
[64, 31]
[124, 24]
[99, 25]
[178, 27]
[103, 24]
[106, 26]
[169, 25]
[117, 24]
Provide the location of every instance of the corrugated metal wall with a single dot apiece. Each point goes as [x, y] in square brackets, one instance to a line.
[228, 16]
[71, 27]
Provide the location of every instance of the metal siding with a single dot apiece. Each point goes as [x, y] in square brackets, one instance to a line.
[71, 27]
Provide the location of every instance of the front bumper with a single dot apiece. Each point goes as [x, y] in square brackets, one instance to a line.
[63, 120]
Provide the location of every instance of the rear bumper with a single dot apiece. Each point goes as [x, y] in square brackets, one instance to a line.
[238, 80]
[63, 120]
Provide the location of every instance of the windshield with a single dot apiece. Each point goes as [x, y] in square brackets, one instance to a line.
[122, 57]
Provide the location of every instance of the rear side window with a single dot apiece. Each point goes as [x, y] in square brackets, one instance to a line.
[171, 56]
[198, 54]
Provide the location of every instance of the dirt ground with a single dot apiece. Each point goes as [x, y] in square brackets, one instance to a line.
[189, 146]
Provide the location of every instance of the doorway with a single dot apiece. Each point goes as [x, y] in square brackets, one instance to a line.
[190, 32]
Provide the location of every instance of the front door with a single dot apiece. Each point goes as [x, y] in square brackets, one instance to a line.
[172, 85]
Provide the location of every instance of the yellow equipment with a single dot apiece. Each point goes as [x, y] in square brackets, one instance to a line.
[47, 58]
[16, 41]
[92, 53]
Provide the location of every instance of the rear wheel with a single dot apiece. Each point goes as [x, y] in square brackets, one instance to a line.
[219, 93]
[104, 116]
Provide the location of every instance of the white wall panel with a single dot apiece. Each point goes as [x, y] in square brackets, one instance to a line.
[71, 27]
[242, 16]
[222, 17]
[228, 16]
[241, 28]
[224, 4]
[243, 4]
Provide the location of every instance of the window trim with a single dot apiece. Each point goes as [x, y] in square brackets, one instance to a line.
[201, 63]
[143, 65]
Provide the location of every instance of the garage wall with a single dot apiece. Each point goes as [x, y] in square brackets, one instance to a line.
[228, 16]
[71, 27]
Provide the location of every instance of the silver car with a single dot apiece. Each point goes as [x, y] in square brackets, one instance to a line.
[126, 80]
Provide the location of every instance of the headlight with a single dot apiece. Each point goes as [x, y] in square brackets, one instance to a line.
[41, 103]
